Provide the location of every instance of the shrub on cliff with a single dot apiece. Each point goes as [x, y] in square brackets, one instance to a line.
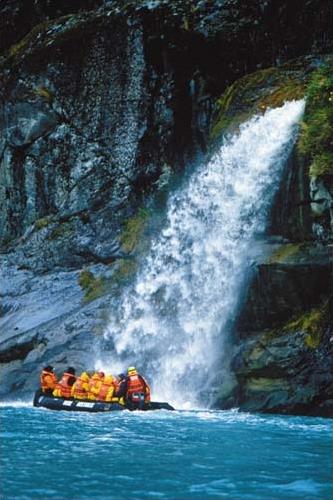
[316, 140]
[91, 285]
[133, 230]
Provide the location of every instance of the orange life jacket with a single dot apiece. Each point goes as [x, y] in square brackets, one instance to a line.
[63, 386]
[48, 380]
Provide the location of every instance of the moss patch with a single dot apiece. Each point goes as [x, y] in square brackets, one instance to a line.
[24, 43]
[263, 384]
[133, 230]
[42, 222]
[125, 270]
[60, 231]
[44, 93]
[283, 253]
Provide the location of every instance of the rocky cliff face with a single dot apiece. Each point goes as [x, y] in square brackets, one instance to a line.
[103, 104]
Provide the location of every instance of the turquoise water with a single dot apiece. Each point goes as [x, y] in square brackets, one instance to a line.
[170, 455]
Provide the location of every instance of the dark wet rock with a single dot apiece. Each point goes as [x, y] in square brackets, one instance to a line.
[289, 369]
[283, 354]
[295, 278]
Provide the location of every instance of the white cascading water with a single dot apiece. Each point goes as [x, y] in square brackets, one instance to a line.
[173, 323]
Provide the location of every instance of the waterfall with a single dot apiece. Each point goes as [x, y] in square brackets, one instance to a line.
[173, 322]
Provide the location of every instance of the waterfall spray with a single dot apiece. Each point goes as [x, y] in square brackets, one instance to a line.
[173, 322]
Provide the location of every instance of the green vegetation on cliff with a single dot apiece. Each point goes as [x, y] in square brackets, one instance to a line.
[92, 286]
[316, 139]
[97, 286]
[42, 222]
[284, 253]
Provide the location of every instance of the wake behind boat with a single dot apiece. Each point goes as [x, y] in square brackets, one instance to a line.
[54, 403]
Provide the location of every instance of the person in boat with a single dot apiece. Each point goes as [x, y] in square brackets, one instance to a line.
[95, 384]
[48, 380]
[63, 388]
[134, 389]
[80, 388]
[108, 389]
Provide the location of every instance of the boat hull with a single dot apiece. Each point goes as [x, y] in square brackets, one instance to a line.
[51, 403]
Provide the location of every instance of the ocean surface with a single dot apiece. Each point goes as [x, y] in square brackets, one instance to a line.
[163, 455]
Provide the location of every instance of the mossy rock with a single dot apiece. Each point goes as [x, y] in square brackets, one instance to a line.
[285, 253]
[52, 34]
[312, 324]
[97, 286]
[133, 230]
[62, 230]
[254, 93]
[92, 286]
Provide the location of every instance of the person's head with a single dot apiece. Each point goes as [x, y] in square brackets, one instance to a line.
[48, 368]
[71, 370]
[101, 374]
[131, 370]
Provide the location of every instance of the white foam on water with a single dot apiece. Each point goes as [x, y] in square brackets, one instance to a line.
[15, 404]
[173, 322]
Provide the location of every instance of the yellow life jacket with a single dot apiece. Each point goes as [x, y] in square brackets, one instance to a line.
[80, 388]
[95, 384]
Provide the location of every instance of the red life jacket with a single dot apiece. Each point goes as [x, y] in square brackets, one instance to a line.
[63, 385]
[48, 380]
[135, 385]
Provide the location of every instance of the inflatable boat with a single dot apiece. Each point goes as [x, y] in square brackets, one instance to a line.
[52, 403]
